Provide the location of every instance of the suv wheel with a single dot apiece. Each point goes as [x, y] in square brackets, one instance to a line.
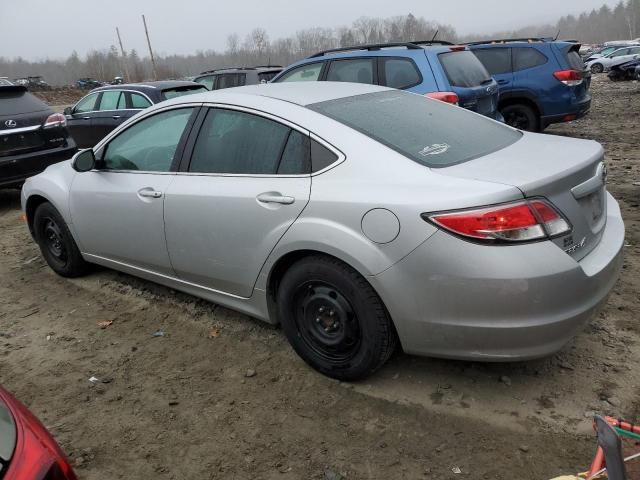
[521, 116]
[56, 243]
[597, 68]
[334, 319]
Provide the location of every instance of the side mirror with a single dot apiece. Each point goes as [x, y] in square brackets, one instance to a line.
[68, 111]
[84, 160]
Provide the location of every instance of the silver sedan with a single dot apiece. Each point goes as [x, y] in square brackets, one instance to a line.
[357, 217]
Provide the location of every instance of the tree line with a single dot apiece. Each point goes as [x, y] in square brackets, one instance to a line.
[257, 48]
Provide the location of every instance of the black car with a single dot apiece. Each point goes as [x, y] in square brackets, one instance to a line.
[237, 76]
[104, 108]
[32, 136]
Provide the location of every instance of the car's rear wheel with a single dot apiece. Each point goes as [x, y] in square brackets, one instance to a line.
[334, 319]
[521, 116]
[597, 68]
[56, 243]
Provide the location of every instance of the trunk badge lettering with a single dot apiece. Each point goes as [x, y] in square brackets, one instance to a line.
[435, 149]
[577, 246]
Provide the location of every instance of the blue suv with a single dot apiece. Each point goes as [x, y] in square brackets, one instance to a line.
[542, 81]
[439, 70]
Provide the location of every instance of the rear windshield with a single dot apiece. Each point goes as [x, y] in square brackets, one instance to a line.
[180, 91]
[575, 60]
[428, 131]
[13, 102]
[463, 69]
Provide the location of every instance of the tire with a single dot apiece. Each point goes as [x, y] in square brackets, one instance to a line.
[597, 68]
[334, 319]
[56, 243]
[521, 116]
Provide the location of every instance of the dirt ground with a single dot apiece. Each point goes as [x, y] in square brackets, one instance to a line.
[223, 396]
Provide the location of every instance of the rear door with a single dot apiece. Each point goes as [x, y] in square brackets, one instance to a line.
[79, 122]
[498, 62]
[468, 79]
[247, 181]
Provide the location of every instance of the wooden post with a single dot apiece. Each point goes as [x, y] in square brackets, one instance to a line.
[153, 60]
[124, 58]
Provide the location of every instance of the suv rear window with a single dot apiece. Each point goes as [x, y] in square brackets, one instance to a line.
[429, 132]
[15, 100]
[463, 69]
[575, 60]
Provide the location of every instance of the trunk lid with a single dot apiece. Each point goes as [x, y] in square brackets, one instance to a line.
[570, 173]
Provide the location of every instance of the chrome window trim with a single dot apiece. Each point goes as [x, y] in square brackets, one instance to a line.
[20, 130]
[112, 90]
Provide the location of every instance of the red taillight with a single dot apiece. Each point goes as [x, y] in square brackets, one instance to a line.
[36, 455]
[457, 48]
[55, 120]
[447, 97]
[512, 222]
[571, 78]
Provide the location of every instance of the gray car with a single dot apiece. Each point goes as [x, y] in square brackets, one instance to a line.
[355, 216]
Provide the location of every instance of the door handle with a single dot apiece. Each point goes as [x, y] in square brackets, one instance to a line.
[503, 82]
[86, 118]
[149, 193]
[116, 117]
[275, 198]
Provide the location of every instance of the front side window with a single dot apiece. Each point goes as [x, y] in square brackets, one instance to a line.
[463, 69]
[149, 145]
[619, 53]
[496, 60]
[241, 143]
[427, 131]
[139, 101]
[110, 100]
[357, 71]
[305, 73]
[87, 104]
[524, 58]
[400, 73]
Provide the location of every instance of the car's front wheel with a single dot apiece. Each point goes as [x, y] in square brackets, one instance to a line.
[56, 243]
[334, 319]
[597, 68]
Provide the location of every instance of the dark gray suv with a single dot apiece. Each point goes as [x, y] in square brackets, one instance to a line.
[237, 76]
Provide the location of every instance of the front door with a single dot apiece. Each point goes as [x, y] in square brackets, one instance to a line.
[80, 120]
[247, 182]
[117, 209]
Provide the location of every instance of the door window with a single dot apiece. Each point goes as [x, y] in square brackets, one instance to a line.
[305, 73]
[619, 53]
[110, 100]
[207, 81]
[463, 69]
[87, 104]
[122, 102]
[229, 80]
[400, 73]
[296, 155]
[241, 143]
[524, 58]
[139, 101]
[358, 71]
[149, 145]
[496, 60]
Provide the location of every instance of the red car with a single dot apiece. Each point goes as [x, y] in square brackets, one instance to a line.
[27, 449]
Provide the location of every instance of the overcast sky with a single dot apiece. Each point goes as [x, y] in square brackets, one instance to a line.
[36, 29]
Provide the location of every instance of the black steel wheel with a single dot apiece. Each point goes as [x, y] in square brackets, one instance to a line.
[334, 319]
[521, 116]
[56, 243]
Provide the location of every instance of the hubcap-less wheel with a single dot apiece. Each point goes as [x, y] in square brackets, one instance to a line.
[597, 68]
[53, 240]
[518, 119]
[326, 321]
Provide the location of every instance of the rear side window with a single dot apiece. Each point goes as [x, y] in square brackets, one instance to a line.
[400, 73]
[206, 81]
[428, 131]
[357, 71]
[305, 73]
[14, 101]
[463, 69]
[296, 155]
[495, 60]
[238, 142]
[321, 156]
[524, 58]
[228, 80]
[139, 101]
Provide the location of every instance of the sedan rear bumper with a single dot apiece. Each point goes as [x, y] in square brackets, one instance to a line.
[455, 299]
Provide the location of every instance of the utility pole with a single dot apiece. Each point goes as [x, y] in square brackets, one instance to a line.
[153, 60]
[124, 57]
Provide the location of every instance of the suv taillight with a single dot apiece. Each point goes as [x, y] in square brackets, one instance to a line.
[447, 97]
[521, 221]
[571, 78]
[55, 120]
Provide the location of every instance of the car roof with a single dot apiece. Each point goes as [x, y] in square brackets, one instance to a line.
[258, 69]
[299, 93]
[145, 86]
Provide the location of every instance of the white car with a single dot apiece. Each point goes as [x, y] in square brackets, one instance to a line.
[621, 55]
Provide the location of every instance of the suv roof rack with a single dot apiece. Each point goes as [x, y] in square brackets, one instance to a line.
[432, 42]
[268, 66]
[370, 47]
[508, 40]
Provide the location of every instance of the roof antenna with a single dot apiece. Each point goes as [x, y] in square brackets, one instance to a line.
[557, 35]
[434, 36]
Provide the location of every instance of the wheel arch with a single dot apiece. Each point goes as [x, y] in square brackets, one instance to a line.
[516, 99]
[33, 202]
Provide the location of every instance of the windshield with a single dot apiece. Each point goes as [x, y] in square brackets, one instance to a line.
[428, 131]
[180, 91]
[463, 69]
